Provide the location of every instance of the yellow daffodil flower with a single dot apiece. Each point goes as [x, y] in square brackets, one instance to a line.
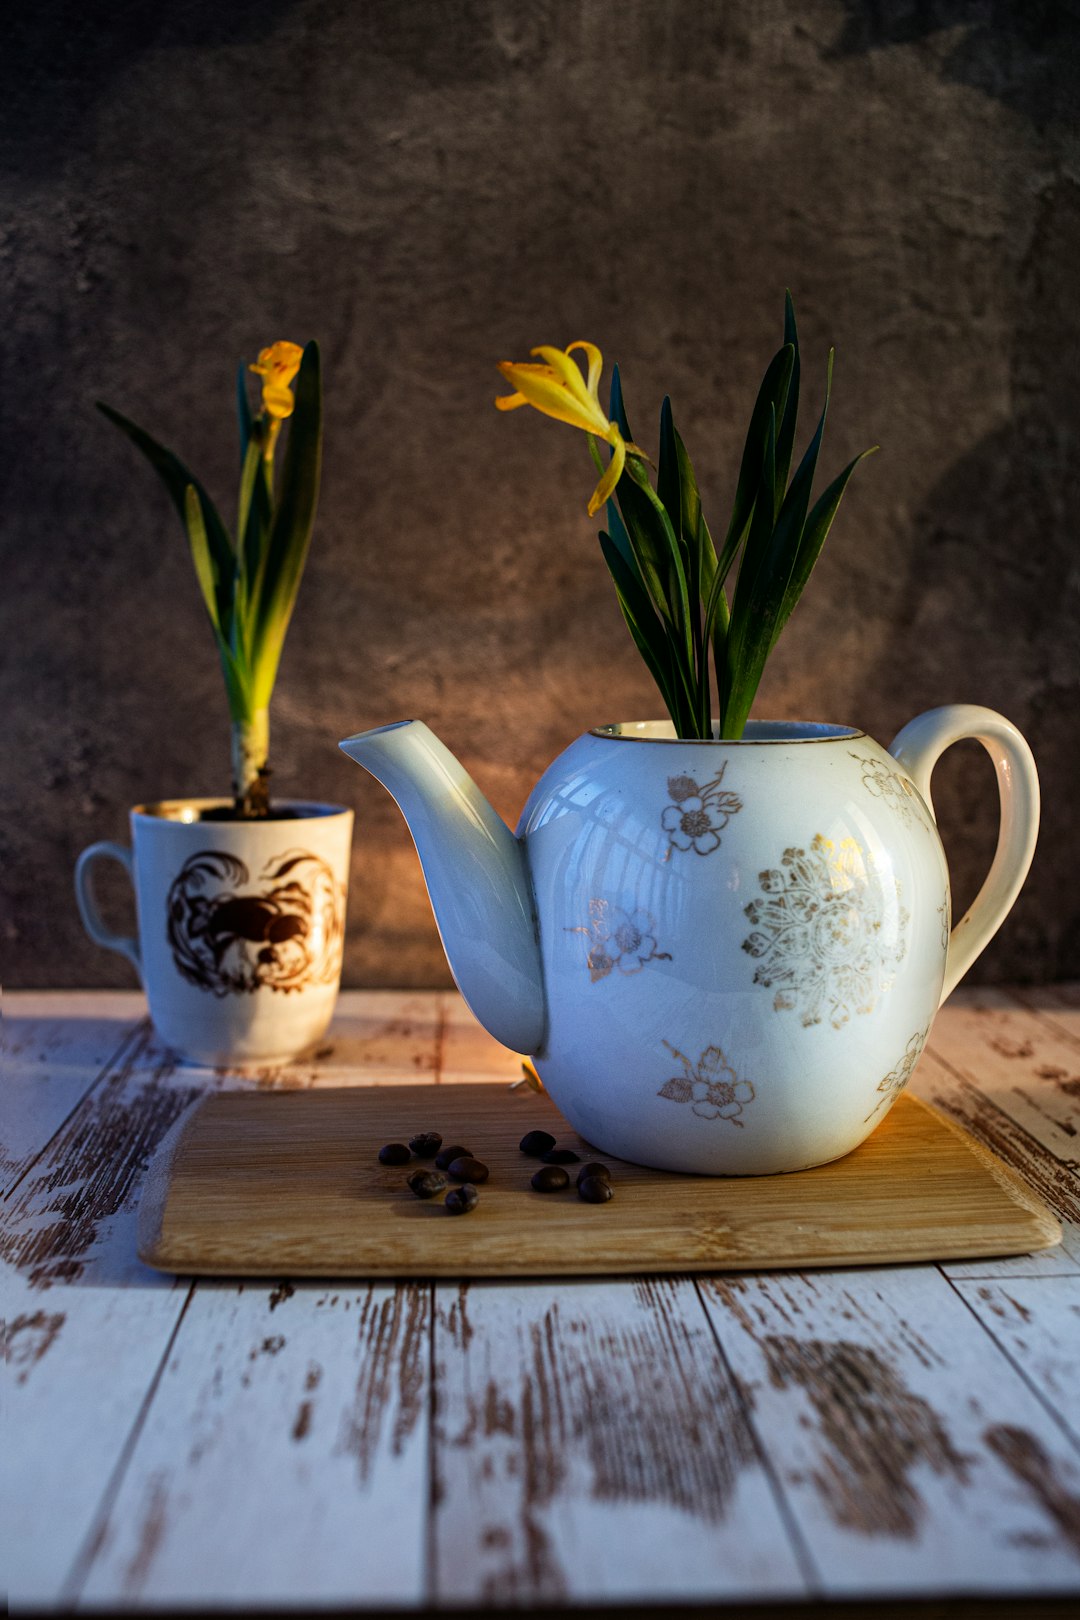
[558, 389]
[277, 366]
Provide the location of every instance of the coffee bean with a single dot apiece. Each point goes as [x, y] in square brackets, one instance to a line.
[536, 1144]
[468, 1169]
[394, 1153]
[596, 1189]
[426, 1183]
[588, 1171]
[446, 1156]
[460, 1200]
[561, 1156]
[552, 1178]
[426, 1145]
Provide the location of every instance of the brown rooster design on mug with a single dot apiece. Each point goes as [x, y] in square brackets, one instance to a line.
[230, 936]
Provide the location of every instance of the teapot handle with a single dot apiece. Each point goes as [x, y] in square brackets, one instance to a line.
[917, 748]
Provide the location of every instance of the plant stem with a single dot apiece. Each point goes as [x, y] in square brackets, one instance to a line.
[250, 772]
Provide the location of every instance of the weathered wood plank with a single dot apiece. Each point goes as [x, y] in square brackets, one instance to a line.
[1037, 1321]
[914, 1458]
[1019, 1061]
[1057, 1004]
[89, 1177]
[467, 1051]
[1066, 994]
[86, 1355]
[378, 1037]
[75, 1006]
[72, 1217]
[72, 1220]
[1025, 1145]
[1063, 1261]
[589, 1445]
[80, 1361]
[53, 1046]
[284, 1458]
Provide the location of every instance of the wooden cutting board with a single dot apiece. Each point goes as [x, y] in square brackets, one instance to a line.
[287, 1184]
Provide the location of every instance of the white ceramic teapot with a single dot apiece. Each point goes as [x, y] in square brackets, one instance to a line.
[723, 957]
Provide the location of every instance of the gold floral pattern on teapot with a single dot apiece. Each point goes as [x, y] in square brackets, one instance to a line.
[619, 940]
[898, 1076]
[894, 790]
[698, 815]
[826, 936]
[710, 1086]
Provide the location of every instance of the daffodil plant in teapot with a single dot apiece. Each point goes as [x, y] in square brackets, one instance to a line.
[240, 901]
[721, 940]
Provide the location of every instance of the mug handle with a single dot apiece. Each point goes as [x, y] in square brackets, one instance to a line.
[88, 911]
[917, 748]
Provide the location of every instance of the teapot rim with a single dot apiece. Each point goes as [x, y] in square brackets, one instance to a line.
[757, 733]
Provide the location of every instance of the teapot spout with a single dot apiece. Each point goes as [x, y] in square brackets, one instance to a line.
[476, 874]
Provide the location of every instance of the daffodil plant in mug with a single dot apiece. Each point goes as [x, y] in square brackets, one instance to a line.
[671, 580]
[241, 901]
[249, 581]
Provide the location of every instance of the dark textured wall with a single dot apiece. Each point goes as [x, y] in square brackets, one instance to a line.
[429, 187]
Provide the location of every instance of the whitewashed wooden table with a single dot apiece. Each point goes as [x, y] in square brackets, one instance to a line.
[801, 1439]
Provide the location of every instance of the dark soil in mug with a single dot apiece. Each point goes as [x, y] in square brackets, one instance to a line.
[228, 812]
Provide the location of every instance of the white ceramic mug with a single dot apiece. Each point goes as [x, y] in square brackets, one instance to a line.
[241, 925]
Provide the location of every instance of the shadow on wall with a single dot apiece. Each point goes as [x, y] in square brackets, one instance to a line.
[1024, 56]
[998, 534]
[62, 59]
